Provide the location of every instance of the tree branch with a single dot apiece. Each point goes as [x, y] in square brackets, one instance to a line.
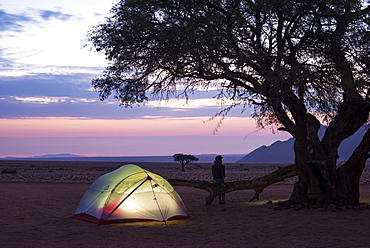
[257, 184]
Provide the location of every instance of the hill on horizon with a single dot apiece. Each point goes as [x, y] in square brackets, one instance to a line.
[282, 151]
[203, 158]
[279, 151]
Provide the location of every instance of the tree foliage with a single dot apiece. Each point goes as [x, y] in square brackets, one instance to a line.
[299, 63]
[184, 159]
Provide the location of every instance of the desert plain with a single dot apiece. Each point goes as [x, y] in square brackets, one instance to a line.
[38, 199]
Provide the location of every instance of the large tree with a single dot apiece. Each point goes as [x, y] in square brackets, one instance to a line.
[299, 63]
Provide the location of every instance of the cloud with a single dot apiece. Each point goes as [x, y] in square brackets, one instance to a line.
[49, 85]
[4, 63]
[15, 22]
[45, 95]
[48, 100]
[12, 22]
[49, 14]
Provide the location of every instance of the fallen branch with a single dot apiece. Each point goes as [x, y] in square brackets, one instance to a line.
[257, 184]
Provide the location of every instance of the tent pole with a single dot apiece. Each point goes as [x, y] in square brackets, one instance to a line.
[125, 199]
[155, 198]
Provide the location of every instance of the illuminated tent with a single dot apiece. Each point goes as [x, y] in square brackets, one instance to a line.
[130, 193]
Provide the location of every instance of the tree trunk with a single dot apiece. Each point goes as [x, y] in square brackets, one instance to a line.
[348, 175]
[320, 182]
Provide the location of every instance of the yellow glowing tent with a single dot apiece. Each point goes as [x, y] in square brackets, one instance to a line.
[130, 193]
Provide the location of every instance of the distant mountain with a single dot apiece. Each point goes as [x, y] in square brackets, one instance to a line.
[46, 157]
[282, 151]
[203, 158]
[279, 151]
[60, 155]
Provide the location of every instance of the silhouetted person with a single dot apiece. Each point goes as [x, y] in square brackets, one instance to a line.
[218, 173]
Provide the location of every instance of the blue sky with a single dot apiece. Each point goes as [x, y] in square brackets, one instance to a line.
[48, 106]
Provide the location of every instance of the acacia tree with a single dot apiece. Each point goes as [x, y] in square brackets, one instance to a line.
[299, 63]
[184, 159]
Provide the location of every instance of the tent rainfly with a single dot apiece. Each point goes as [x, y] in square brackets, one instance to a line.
[130, 193]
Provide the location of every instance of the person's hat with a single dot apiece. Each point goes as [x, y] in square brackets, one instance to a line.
[219, 157]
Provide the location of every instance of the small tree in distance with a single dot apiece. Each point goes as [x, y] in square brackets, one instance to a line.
[184, 159]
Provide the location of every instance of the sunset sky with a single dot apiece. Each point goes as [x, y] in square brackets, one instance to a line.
[48, 106]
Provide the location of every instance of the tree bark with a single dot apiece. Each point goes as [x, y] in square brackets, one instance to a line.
[320, 182]
[348, 175]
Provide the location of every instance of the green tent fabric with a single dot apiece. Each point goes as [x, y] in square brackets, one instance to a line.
[130, 193]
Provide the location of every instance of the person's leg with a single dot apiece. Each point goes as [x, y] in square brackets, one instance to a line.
[221, 199]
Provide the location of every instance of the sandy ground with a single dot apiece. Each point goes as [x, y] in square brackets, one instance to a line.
[37, 204]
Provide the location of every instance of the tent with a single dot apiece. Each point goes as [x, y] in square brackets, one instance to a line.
[130, 193]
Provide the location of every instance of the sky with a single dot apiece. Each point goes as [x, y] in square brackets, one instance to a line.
[48, 105]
